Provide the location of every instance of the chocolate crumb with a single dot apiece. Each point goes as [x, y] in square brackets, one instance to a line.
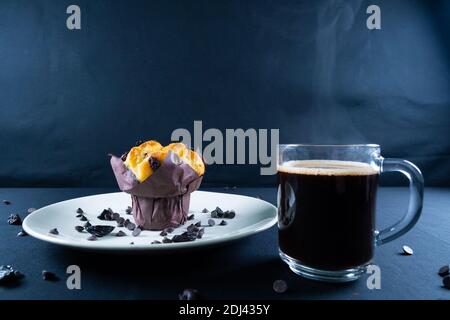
[54, 231]
[191, 217]
[121, 234]
[223, 223]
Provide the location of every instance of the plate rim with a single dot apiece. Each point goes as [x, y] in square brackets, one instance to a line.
[91, 246]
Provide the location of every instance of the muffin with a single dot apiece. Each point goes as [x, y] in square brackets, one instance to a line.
[160, 181]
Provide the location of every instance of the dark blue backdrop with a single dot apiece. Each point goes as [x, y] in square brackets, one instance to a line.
[140, 69]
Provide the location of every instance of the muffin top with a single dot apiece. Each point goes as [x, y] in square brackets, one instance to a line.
[144, 159]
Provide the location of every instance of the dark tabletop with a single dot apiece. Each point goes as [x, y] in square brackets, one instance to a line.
[244, 269]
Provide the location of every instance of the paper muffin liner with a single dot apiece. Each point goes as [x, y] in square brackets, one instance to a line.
[162, 200]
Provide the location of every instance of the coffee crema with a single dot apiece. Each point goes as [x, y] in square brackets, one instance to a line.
[326, 212]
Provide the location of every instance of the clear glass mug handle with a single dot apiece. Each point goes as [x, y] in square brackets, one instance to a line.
[414, 211]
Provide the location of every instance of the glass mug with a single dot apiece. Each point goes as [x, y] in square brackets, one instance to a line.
[326, 208]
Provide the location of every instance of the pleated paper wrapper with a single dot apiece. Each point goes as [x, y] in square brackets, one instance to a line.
[162, 200]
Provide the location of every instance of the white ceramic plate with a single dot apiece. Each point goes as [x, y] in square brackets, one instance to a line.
[252, 216]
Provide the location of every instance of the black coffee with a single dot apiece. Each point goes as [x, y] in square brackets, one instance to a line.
[326, 214]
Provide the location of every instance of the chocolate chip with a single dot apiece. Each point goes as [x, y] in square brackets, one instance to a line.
[169, 230]
[192, 228]
[211, 222]
[115, 216]
[188, 294]
[120, 222]
[49, 276]
[8, 275]
[198, 224]
[154, 163]
[279, 286]
[54, 231]
[407, 251]
[92, 238]
[31, 210]
[184, 237]
[166, 240]
[205, 210]
[130, 226]
[121, 234]
[79, 210]
[190, 217]
[79, 215]
[87, 224]
[6, 202]
[79, 228]
[156, 242]
[200, 233]
[83, 218]
[223, 223]
[444, 271]
[128, 210]
[229, 214]
[104, 215]
[99, 230]
[22, 233]
[446, 282]
[163, 233]
[14, 219]
[136, 232]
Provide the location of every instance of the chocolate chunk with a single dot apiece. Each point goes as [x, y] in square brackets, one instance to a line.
[156, 242]
[211, 222]
[54, 231]
[205, 210]
[279, 286]
[79, 210]
[8, 275]
[31, 210]
[190, 217]
[444, 271]
[198, 224]
[121, 234]
[83, 218]
[230, 214]
[136, 232]
[14, 219]
[49, 276]
[92, 238]
[169, 230]
[22, 233]
[6, 202]
[104, 215]
[87, 224]
[163, 233]
[79, 228]
[407, 251]
[99, 230]
[223, 223]
[200, 233]
[166, 240]
[446, 282]
[184, 237]
[188, 294]
[130, 226]
[120, 222]
[192, 228]
[115, 216]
